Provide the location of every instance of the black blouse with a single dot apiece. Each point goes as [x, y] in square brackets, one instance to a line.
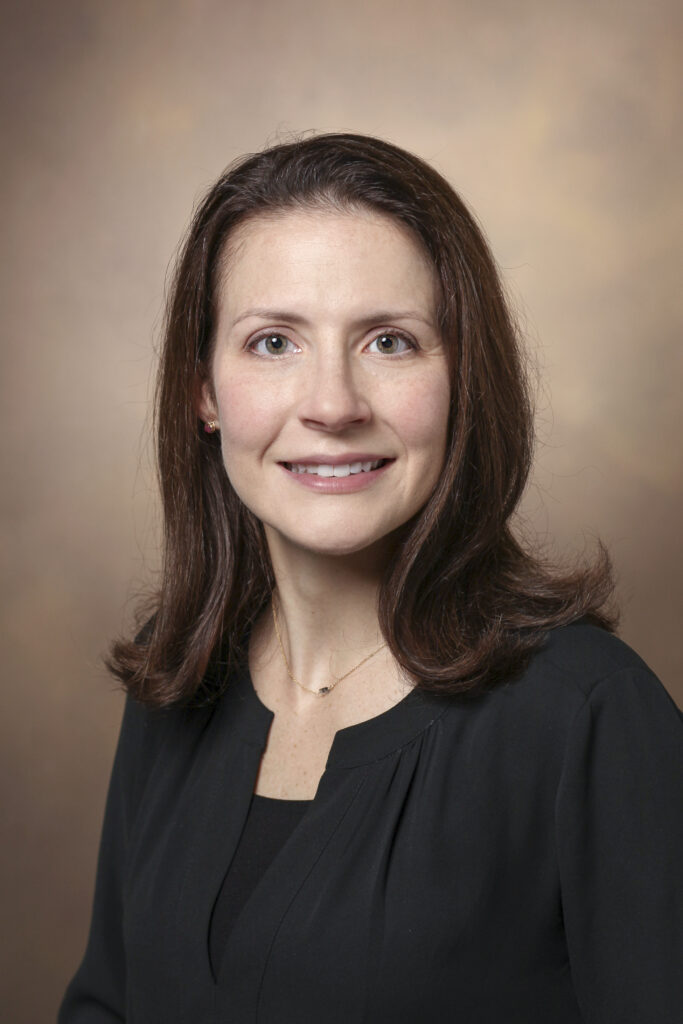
[510, 859]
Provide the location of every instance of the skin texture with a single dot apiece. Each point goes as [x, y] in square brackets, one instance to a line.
[335, 282]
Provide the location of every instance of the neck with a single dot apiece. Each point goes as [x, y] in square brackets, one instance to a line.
[327, 609]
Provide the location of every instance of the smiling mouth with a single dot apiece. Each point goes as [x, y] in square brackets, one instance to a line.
[327, 470]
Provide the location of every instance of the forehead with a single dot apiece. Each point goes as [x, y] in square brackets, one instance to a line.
[324, 255]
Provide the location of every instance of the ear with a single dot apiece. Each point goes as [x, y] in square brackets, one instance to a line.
[205, 399]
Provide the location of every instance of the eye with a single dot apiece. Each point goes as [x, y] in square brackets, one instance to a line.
[390, 343]
[272, 344]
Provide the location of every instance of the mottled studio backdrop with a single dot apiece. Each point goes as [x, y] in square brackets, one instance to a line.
[558, 124]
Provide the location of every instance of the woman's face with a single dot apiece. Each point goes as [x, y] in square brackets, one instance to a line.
[329, 377]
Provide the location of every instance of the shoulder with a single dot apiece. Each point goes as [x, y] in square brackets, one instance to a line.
[581, 671]
[149, 735]
[579, 658]
[584, 701]
[584, 678]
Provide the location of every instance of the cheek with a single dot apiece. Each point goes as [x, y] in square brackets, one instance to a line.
[248, 420]
[245, 433]
[423, 422]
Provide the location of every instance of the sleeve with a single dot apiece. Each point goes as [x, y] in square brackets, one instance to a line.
[97, 993]
[619, 822]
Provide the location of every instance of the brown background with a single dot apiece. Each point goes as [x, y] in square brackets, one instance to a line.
[557, 122]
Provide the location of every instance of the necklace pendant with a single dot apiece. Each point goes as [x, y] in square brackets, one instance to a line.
[323, 690]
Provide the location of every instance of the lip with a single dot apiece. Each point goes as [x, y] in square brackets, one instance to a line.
[334, 460]
[337, 484]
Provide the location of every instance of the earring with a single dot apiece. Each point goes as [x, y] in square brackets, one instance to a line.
[211, 426]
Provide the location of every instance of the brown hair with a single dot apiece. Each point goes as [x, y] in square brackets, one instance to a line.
[463, 604]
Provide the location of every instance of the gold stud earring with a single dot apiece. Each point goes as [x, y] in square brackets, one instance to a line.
[211, 426]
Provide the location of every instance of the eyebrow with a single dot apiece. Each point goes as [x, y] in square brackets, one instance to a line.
[378, 316]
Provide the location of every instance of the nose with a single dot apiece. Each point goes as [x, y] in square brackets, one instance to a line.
[332, 399]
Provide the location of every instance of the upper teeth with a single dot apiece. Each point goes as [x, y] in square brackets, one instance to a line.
[323, 469]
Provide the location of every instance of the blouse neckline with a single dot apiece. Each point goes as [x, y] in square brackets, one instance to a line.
[352, 746]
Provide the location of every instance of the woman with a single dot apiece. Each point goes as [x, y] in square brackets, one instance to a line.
[378, 763]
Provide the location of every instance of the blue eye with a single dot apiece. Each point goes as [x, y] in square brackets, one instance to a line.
[390, 344]
[272, 345]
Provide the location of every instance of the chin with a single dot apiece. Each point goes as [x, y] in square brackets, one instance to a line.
[379, 544]
[337, 548]
[338, 539]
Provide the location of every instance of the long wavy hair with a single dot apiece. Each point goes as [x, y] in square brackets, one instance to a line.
[463, 603]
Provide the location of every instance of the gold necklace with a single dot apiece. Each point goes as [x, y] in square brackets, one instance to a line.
[324, 690]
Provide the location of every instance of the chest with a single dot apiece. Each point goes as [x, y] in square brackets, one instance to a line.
[389, 895]
[294, 760]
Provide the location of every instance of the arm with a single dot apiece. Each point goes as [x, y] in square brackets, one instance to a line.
[619, 820]
[97, 993]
